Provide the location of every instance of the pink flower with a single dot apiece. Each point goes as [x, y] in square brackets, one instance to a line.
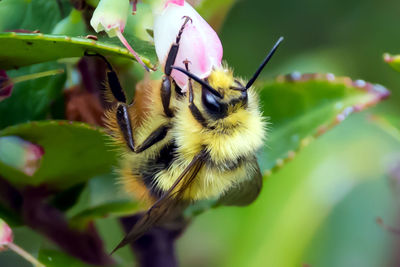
[6, 236]
[199, 43]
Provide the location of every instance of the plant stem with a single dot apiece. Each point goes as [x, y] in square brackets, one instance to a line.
[20, 251]
[36, 75]
[127, 45]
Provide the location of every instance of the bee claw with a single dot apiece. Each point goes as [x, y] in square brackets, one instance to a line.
[187, 18]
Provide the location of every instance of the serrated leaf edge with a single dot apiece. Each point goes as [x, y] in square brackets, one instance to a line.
[378, 91]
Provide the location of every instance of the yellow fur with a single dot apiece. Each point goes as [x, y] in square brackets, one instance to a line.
[230, 140]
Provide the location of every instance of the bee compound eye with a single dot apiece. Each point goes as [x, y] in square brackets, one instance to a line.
[212, 104]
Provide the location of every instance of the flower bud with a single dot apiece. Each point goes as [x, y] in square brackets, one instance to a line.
[6, 236]
[199, 43]
[20, 154]
[110, 16]
[6, 85]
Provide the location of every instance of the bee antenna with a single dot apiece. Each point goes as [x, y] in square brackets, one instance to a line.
[197, 79]
[261, 67]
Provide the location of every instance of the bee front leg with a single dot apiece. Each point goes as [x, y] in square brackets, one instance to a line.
[166, 96]
[167, 80]
[122, 113]
[173, 52]
[124, 123]
[192, 106]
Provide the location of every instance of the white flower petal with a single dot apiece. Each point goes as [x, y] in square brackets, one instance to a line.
[110, 16]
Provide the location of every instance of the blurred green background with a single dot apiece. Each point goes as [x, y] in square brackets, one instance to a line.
[321, 209]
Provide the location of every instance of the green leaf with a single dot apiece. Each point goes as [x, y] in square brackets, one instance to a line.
[22, 49]
[54, 258]
[393, 61]
[31, 100]
[102, 197]
[114, 209]
[302, 107]
[72, 25]
[29, 15]
[74, 152]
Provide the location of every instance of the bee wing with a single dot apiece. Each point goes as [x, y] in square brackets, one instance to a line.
[244, 193]
[169, 205]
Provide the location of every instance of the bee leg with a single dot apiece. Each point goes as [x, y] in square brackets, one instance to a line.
[173, 52]
[124, 123]
[166, 96]
[123, 119]
[122, 114]
[192, 106]
[166, 83]
[112, 79]
[156, 136]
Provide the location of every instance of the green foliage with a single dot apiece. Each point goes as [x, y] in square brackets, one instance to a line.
[389, 123]
[73, 153]
[31, 100]
[101, 198]
[33, 15]
[22, 49]
[303, 107]
[54, 258]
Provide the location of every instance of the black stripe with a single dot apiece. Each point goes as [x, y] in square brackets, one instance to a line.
[228, 165]
[152, 167]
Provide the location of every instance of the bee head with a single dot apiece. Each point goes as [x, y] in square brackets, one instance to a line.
[233, 95]
[221, 93]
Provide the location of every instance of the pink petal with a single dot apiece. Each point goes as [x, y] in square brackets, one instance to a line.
[176, 2]
[6, 235]
[33, 157]
[199, 43]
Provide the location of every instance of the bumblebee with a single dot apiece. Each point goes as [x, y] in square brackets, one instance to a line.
[191, 146]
